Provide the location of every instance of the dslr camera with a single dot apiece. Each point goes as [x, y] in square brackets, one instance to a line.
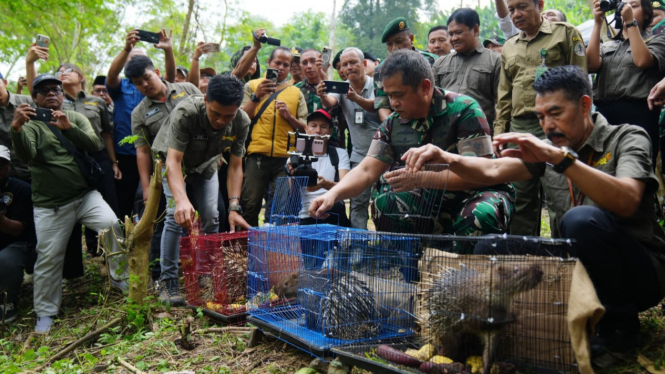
[607, 5]
[303, 150]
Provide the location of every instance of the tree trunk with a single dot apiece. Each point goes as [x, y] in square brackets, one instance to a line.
[185, 28]
[331, 39]
[137, 239]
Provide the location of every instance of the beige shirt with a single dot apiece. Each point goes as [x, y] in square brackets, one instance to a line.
[149, 116]
[520, 58]
[475, 74]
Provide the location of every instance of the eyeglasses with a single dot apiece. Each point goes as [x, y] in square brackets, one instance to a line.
[100, 91]
[44, 91]
[60, 73]
[205, 76]
[313, 125]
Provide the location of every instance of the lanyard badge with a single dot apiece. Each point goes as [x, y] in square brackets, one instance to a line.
[542, 68]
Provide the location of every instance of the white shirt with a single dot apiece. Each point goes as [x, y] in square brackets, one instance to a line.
[326, 170]
[506, 25]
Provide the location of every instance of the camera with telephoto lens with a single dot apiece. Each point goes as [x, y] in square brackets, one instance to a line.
[616, 6]
[303, 150]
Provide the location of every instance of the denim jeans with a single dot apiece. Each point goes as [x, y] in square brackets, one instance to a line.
[204, 194]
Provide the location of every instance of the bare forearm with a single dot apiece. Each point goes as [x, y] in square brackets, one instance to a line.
[113, 76]
[366, 104]
[108, 143]
[642, 57]
[194, 75]
[481, 171]
[384, 114]
[593, 50]
[359, 179]
[250, 108]
[144, 164]
[444, 180]
[176, 180]
[329, 102]
[296, 124]
[618, 195]
[11, 227]
[169, 65]
[501, 8]
[30, 74]
[234, 178]
[245, 62]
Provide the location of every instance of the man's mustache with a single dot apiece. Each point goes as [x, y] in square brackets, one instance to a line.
[552, 134]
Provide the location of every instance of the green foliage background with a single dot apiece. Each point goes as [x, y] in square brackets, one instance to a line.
[91, 32]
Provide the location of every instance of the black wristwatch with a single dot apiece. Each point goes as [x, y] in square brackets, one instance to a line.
[569, 156]
[631, 24]
[254, 98]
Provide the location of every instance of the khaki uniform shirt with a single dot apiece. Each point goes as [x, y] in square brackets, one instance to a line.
[521, 57]
[149, 116]
[94, 109]
[623, 152]
[20, 168]
[619, 78]
[475, 74]
[189, 131]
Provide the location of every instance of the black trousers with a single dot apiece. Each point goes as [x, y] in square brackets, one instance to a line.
[621, 269]
[634, 112]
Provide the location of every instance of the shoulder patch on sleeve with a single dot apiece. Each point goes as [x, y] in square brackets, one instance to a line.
[579, 49]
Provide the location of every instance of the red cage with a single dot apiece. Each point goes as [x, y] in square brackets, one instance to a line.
[215, 271]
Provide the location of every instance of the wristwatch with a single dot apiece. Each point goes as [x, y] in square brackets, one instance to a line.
[235, 207]
[631, 24]
[569, 156]
[254, 98]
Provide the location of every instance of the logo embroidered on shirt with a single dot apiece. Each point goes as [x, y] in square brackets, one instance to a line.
[200, 137]
[90, 103]
[183, 93]
[231, 138]
[152, 112]
[603, 161]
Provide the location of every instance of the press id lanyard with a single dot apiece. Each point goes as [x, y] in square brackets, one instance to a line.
[542, 68]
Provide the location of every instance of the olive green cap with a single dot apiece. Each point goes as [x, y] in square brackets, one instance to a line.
[395, 26]
[496, 40]
[658, 4]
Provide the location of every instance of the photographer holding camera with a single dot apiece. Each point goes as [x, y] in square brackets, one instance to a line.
[627, 68]
[330, 170]
[17, 235]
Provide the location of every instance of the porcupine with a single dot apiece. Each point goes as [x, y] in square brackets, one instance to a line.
[464, 304]
[235, 271]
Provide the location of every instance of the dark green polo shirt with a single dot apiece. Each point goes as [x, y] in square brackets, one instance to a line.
[189, 131]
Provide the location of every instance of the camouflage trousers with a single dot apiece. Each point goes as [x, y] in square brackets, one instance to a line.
[425, 211]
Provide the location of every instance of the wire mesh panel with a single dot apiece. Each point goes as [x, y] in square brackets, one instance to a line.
[402, 205]
[215, 271]
[288, 201]
[483, 310]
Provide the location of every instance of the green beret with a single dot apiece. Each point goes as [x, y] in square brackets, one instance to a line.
[658, 4]
[395, 26]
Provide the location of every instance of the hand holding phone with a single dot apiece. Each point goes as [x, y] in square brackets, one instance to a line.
[271, 74]
[326, 56]
[43, 40]
[211, 48]
[337, 87]
[43, 115]
[148, 36]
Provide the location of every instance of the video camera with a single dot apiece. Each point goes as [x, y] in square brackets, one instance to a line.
[303, 150]
[264, 39]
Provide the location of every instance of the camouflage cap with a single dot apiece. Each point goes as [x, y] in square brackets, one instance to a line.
[495, 39]
[658, 5]
[395, 26]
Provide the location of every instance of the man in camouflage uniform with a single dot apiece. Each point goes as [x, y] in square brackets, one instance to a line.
[423, 114]
[396, 36]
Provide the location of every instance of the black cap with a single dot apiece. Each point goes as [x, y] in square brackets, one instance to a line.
[45, 78]
[369, 56]
[100, 80]
[337, 58]
[183, 70]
